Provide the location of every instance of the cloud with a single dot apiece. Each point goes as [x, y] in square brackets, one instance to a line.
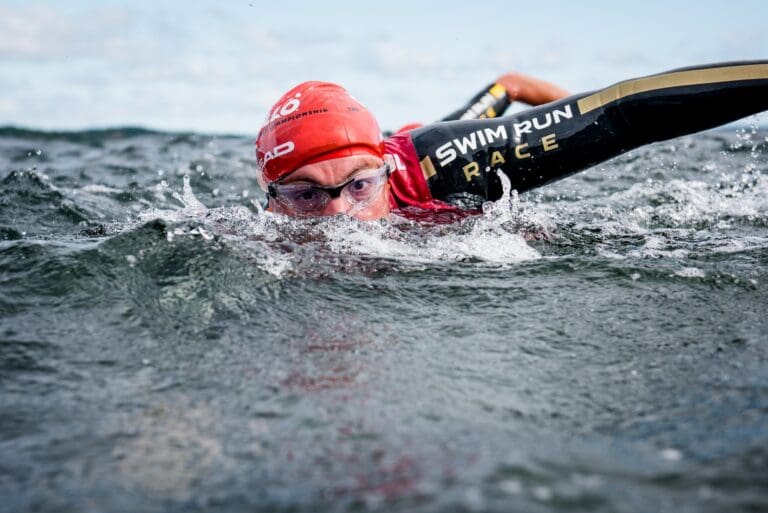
[32, 33]
[627, 58]
[746, 43]
[261, 39]
[392, 59]
[44, 33]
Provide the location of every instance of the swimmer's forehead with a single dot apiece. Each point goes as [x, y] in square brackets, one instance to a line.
[332, 172]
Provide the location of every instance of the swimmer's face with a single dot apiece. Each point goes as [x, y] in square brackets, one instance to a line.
[364, 195]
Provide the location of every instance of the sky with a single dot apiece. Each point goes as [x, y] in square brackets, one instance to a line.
[217, 66]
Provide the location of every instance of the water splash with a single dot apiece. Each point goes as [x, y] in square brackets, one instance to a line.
[188, 199]
[283, 245]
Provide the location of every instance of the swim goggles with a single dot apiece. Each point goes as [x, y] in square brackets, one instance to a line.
[306, 198]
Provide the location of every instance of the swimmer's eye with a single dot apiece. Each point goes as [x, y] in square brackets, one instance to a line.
[304, 198]
[362, 188]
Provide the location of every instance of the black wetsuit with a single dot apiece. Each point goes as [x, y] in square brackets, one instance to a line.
[552, 141]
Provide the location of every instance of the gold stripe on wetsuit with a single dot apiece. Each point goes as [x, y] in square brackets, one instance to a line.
[674, 79]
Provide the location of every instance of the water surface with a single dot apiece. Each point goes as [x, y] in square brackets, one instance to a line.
[598, 345]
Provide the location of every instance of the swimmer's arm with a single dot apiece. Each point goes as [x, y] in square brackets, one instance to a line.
[530, 90]
[552, 141]
[510, 87]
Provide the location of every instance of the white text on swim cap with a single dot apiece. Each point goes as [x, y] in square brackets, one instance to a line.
[288, 107]
[279, 150]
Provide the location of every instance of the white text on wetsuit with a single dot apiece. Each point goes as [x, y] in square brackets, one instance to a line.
[448, 152]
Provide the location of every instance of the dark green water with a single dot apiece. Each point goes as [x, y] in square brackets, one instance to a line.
[601, 345]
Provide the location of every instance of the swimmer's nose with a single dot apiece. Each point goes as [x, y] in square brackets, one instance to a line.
[335, 206]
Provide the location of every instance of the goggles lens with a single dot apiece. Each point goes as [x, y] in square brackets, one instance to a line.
[307, 198]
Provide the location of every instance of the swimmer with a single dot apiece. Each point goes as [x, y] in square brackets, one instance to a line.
[321, 152]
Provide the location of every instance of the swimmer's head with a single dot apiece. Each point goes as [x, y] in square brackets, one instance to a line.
[314, 122]
[320, 153]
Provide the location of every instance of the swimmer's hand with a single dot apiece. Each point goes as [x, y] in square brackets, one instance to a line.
[530, 90]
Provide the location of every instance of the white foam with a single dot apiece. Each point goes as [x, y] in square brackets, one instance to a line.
[739, 245]
[483, 242]
[685, 203]
[100, 189]
[691, 272]
[496, 237]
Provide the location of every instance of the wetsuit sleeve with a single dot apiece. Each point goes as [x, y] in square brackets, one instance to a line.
[491, 102]
[555, 140]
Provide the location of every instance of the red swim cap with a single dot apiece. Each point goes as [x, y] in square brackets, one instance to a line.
[312, 122]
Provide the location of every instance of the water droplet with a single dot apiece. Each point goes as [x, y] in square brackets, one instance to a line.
[473, 499]
[671, 454]
[258, 206]
[511, 486]
[542, 493]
